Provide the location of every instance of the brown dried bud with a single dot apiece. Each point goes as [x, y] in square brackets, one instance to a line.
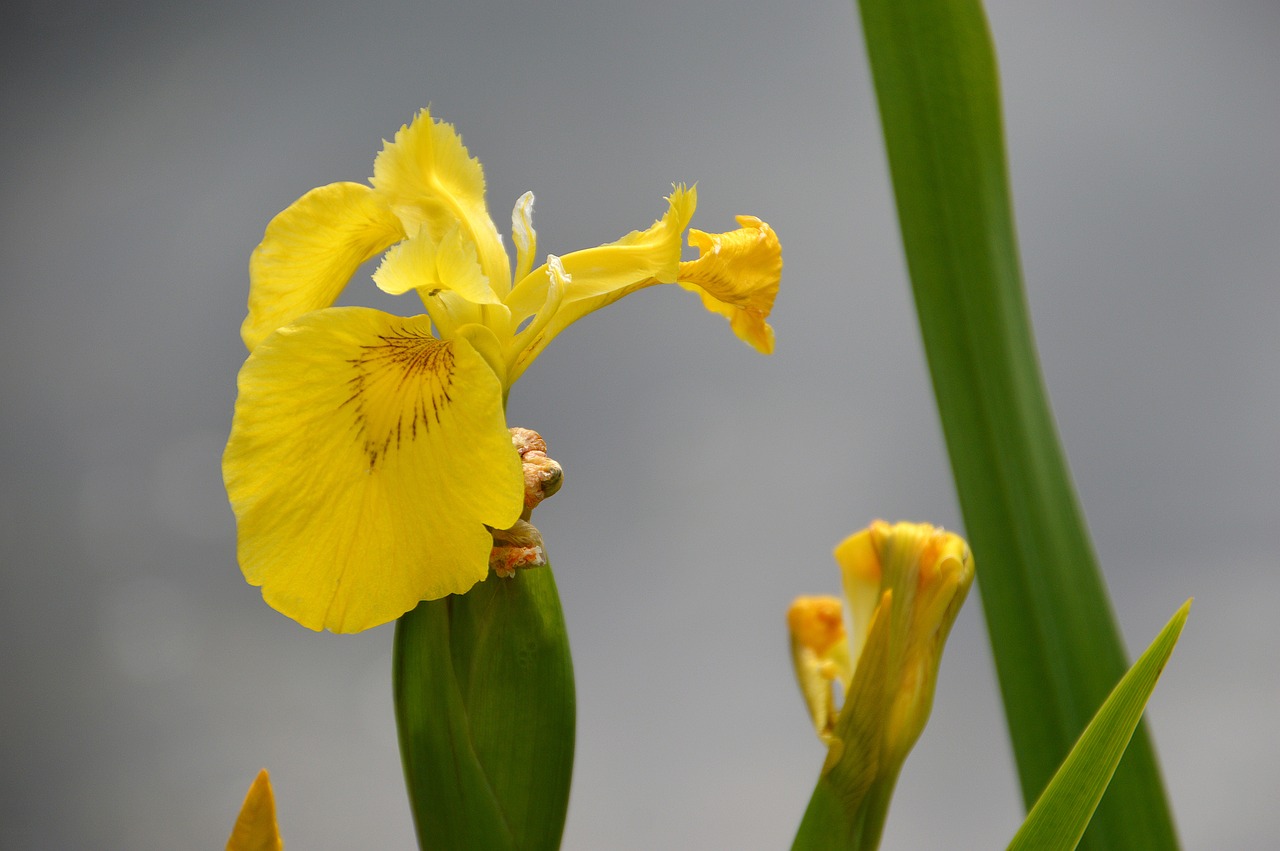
[521, 545]
[517, 547]
[542, 475]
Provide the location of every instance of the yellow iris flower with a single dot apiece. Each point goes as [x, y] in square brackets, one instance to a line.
[369, 456]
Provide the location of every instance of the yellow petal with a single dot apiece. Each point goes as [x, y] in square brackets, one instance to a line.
[309, 253]
[365, 460]
[255, 828]
[860, 571]
[598, 277]
[523, 234]
[524, 346]
[423, 263]
[737, 274]
[819, 655]
[445, 273]
[427, 177]
[650, 253]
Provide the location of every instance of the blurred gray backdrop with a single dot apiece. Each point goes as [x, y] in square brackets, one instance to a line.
[146, 145]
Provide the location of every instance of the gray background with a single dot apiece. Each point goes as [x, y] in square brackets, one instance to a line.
[145, 147]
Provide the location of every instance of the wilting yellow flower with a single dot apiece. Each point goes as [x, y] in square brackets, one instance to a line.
[369, 457]
[255, 828]
[904, 584]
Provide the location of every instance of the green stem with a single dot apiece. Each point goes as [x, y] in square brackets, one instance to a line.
[484, 702]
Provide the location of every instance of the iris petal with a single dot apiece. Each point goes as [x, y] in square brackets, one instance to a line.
[523, 234]
[365, 460]
[597, 277]
[310, 251]
[427, 177]
[445, 273]
[737, 275]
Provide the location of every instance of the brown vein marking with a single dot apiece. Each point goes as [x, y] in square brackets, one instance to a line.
[401, 385]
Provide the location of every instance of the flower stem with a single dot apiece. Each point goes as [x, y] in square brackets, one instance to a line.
[484, 700]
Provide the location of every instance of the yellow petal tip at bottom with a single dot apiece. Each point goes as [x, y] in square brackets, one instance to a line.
[256, 828]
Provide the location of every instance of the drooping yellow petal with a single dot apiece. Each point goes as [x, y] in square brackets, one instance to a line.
[597, 277]
[737, 275]
[365, 460]
[427, 177]
[310, 251]
[256, 828]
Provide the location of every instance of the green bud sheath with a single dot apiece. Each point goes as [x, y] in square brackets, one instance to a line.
[485, 710]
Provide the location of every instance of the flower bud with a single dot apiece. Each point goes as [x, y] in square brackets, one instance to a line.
[520, 546]
[904, 585]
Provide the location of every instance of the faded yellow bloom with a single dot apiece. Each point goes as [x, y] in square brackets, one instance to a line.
[904, 585]
[256, 828]
[369, 458]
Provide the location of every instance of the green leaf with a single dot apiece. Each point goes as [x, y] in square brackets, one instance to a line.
[1057, 649]
[1060, 817]
[485, 711]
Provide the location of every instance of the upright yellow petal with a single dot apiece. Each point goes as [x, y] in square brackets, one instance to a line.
[427, 177]
[523, 235]
[860, 571]
[365, 460]
[737, 274]
[256, 828]
[309, 253]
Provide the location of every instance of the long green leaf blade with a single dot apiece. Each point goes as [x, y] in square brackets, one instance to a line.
[1057, 649]
[1060, 817]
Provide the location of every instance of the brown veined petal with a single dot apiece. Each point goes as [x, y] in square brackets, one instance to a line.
[427, 177]
[365, 460]
[310, 251]
[737, 275]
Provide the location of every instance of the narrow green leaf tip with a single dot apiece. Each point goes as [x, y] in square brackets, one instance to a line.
[1062, 813]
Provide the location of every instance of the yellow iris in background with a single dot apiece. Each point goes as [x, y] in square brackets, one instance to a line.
[904, 584]
[369, 456]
